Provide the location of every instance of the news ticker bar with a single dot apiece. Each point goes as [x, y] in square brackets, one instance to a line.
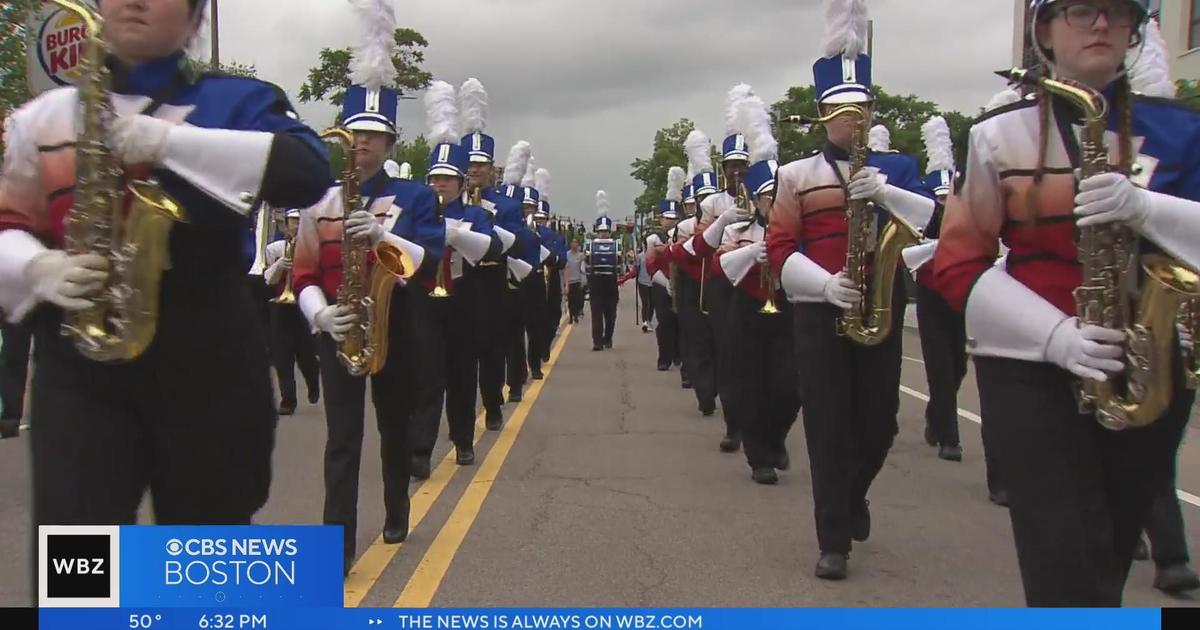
[634, 619]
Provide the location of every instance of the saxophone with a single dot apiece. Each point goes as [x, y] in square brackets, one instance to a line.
[869, 322]
[367, 291]
[134, 235]
[1105, 297]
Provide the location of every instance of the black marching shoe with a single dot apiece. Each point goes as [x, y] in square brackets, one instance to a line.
[597, 347]
[395, 532]
[1141, 552]
[514, 395]
[783, 461]
[494, 420]
[663, 367]
[685, 383]
[950, 453]
[537, 376]
[1176, 578]
[420, 467]
[10, 428]
[1000, 497]
[347, 564]
[765, 476]
[730, 444]
[314, 393]
[464, 456]
[860, 522]
[831, 566]
[287, 408]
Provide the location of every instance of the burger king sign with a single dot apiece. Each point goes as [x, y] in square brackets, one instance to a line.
[59, 39]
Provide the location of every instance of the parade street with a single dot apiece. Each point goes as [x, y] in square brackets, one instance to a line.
[606, 488]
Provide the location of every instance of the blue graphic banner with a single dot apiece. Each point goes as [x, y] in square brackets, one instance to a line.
[236, 567]
[592, 618]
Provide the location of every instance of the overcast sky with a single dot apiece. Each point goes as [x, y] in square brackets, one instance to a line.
[588, 82]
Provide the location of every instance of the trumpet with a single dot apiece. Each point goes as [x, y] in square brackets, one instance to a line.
[288, 296]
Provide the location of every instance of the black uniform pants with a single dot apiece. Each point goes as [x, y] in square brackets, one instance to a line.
[533, 303]
[667, 332]
[294, 345]
[762, 372]
[192, 419]
[696, 342]
[604, 308]
[995, 484]
[491, 325]
[443, 353]
[517, 369]
[462, 364]
[717, 294]
[262, 301]
[646, 303]
[14, 369]
[851, 395]
[1079, 494]
[392, 393]
[1168, 540]
[554, 297]
[943, 344]
[575, 299]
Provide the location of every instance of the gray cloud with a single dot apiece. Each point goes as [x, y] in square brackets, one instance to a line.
[588, 82]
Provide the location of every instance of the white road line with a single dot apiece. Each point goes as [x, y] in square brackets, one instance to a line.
[914, 360]
[1183, 495]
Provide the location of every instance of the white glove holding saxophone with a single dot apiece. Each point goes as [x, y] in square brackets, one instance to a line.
[841, 292]
[66, 280]
[1088, 352]
[336, 320]
[363, 225]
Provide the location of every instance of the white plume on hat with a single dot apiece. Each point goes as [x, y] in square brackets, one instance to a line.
[392, 168]
[371, 64]
[845, 28]
[756, 124]
[697, 147]
[676, 180]
[541, 178]
[601, 203]
[733, 105]
[528, 180]
[1148, 72]
[441, 112]
[879, 139]
[474, 100]
[938, 146]
[405, 171]
[1005, 97]
[518, 157]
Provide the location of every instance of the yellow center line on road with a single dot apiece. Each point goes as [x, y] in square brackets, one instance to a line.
[430, 572]
[378, 556]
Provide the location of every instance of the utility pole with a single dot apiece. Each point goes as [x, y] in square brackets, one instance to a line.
[215, 37]
[871, 38]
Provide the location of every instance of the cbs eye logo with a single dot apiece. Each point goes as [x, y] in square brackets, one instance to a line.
[174, 547]
[78, 567]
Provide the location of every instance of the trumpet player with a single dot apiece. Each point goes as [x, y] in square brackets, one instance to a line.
[849, 389]
[111, 428]
[658, 266]
[294, 343]
[402, 214]
[1079, 488]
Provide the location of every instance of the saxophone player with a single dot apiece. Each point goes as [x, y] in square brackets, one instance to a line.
[293, 343]
[1030, 348]
[401, 213]
[850, 391]
[658, 266]
[108, 430]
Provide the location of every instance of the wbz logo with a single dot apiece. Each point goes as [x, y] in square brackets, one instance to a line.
[77, 567]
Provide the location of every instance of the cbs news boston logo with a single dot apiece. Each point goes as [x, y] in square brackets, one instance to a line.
[79, 567]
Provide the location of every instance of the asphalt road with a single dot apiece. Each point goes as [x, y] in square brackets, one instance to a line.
[606, 488]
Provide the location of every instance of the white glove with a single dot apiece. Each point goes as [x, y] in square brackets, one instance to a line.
[841, 292]
[65, 280]
[336, 320]
[1088, 352]
[866, 184]
[363, 225]
[760, 251]
[731, 215]
[284, 263]
[1111, 197]
[139, 139]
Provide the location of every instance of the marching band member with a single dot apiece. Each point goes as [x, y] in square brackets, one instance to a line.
[553, 264]
[658, 266]
[533, 288]
[492, 272]
[943, 340]
[710, 226]
[601, 268]
[1017, 184]
[696, 340]
[188, 415]
[394, 212]
[448, 353]
[762, 353]
[523, 258]
[850, 390]
[294, 343]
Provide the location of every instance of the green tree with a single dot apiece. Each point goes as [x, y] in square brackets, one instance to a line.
[331, 76]
[416, 153]
[652, 171]
[232, 68]
[13, 37]
[1188, 90]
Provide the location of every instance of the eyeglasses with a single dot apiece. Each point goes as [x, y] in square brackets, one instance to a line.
[1082, 16]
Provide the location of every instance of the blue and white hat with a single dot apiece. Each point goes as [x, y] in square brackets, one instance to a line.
[603, 223]
[370, 103]
[514, 169]
[697, 147]
[529, 192]
[843, 74]
[676, 178]
[689, 193]
[734, 148]
[704, 184]
[541, 180]
[473, 99]
[760, 178]
[292, 214]
[441, 113]
[939, 152]
[764, 150]
[669, 209]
